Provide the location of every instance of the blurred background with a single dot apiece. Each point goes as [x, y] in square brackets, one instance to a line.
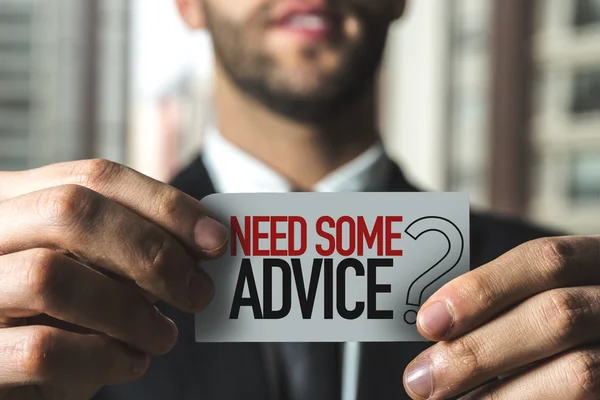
[499, 98]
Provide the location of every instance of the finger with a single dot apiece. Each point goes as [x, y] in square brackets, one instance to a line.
[539, 328]
[532, 268]
[179, 214]
[79, 221]
[43, 281]
[573, 375]
[41, 355]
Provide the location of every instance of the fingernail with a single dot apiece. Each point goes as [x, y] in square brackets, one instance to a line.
[210, 234]
[140, 363]
[201, 290]
[167, 330]
[418, 378]
[436, 319]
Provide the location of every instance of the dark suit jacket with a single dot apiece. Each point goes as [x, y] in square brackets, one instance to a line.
[254, 371]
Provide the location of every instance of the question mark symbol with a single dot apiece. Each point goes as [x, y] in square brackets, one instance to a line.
[446, 264]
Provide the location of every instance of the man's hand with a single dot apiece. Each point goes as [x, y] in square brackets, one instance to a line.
[531, 318]
[84, 249]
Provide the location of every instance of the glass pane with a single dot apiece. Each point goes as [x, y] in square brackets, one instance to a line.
[13, 75]
[469, 105]
[13, 133]
[585, 177]
[16, 105]
[587, 12]
[586, 91]
[15, 18]
[13, 163]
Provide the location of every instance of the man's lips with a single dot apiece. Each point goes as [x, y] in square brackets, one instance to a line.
[308, 21]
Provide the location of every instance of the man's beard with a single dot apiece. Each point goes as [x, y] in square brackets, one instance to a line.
[252, 70]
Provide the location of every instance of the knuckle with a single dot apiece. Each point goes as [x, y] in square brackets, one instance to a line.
[555, 252]
[36, 352]
[92, 173]
[168, 203]
[114, 360]
[143, 318]
[41, 257]
[565, 311]
[584, 373]
[43, 278]
[467, 356]
[42, 274]
[68, 205]
[477, 288]
[108, 362]
[160, 251]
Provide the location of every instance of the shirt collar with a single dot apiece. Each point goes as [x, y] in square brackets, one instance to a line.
[234, 171]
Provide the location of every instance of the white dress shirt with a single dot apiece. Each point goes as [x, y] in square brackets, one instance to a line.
[234, 171]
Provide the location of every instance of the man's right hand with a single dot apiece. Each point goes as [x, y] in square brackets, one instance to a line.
[85, 248]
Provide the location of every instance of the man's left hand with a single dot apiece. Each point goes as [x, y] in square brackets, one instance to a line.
[530, 318]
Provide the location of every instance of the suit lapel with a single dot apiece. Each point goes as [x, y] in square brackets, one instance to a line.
[383, 364]
[194, 180]
[215, 370]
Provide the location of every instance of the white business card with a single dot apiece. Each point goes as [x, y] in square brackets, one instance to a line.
[331, 267]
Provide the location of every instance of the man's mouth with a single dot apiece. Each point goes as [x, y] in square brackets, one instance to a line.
[312, 22]
[307, 22]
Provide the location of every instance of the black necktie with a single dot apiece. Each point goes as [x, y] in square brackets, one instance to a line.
[309, 371]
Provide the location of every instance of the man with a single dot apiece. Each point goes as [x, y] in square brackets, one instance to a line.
[87, 247]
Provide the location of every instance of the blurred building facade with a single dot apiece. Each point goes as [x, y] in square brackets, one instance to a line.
[566, 120]
[524, 109]
[517, 87]
[63, 81]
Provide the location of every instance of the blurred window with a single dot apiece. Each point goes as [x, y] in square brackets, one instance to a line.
[17, 17]
[585, 177]
[15, 83]
[475, 40]
[12, 47]
[586, 91]
[469, 88]
[587, 12]
[12, 163]
[19, 76]
[566, 120]
[62, 98]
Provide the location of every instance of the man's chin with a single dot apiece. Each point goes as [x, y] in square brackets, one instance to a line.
[303, 82]
[314, 107]
[302, 92]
